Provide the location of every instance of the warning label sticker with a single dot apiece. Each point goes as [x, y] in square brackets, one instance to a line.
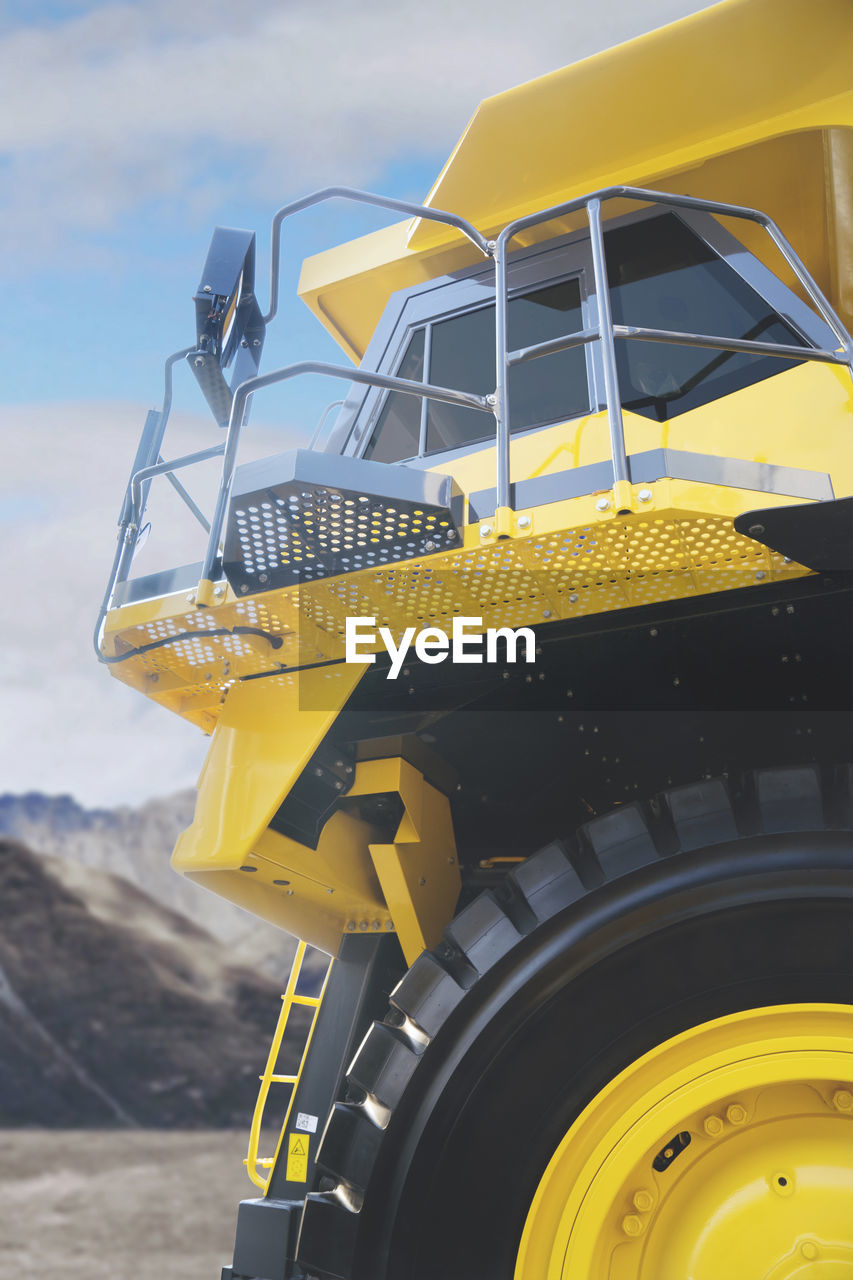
[297, 1157]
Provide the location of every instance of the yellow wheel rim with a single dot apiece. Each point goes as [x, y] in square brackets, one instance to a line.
[724, 1154]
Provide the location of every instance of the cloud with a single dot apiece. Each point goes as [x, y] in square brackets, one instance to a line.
[131, 106]
[67, 726]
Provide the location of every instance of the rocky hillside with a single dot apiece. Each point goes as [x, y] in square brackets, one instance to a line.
[116, 1010]
[137, 844]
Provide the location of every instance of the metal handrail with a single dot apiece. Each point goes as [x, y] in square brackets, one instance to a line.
[603, 330]
[606, 332]
[423, 390]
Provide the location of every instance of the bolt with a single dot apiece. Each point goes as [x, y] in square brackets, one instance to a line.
[244, 587]
[736, 1114]
[713, 1126]
[219, 592]
[389, 924]
[199, 362]
[376, 925]
[429, 546]
[632, 1225]
[654, 631]
[485, 531]
[573, 598]
[263, 577]
[256, 342]
[524, 522]
[362, 924]
[491, 400]
[547, 613]
[643, 1200]
[756, 530]
[603, 504]
[842, 1099]
[190, 597]
[208, 289]
[491, 245]
[760, 576]
[645, 495]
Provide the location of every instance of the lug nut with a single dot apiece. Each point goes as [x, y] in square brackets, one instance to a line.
[842, 1100]
[643, 1200]
[713, 1126]
[736, 1114]
[632, 1225]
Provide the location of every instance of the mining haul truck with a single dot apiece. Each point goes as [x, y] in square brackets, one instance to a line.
[528, 682]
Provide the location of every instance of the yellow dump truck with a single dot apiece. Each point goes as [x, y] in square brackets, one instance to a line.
[529, 682]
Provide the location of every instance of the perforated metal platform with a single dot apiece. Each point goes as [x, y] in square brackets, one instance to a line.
[302, 516]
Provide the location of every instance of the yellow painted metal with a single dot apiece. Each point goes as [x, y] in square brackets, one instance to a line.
[762, 1191]
[265, 736]
[418, 871]
[679, 544]
[259, 1168]
[716, 105]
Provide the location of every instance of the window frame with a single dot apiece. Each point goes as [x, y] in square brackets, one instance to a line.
[549, 263]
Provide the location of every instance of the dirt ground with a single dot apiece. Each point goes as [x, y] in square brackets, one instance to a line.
[119, 1205]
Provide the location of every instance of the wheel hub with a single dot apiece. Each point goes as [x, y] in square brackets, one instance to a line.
[727, 1151]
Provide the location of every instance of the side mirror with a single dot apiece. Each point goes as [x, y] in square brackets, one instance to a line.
[229, 325]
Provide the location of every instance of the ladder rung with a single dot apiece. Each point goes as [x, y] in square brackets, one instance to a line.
[282, 1079]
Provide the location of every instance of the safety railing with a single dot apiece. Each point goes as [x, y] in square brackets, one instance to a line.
[150, 464]
[259, 1168]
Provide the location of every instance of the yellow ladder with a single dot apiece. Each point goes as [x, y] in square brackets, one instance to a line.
[254, 1163]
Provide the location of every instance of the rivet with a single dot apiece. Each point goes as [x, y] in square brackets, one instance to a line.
[603, 504]
[376, 925]
[632, 1225]
[350, 925]
[756, 530]
[573, 598]
[524, 522]
[713, 1126]
[643, 1200]
[842, 1099]
[645, 495]
[760, 576]
[362, 924]
[485, 530]
[546, 613]
[736, 1114]
[389, 924]
[809, 1250]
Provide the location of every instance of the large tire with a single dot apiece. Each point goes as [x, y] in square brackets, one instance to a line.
[725, 896]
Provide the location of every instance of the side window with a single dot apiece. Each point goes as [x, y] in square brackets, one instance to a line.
[397, 433]
[663, 276]
[546, 390]
[462, 356]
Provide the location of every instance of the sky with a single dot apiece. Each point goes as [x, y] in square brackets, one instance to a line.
[128, 131]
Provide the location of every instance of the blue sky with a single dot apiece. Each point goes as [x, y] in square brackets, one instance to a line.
[128, 131]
